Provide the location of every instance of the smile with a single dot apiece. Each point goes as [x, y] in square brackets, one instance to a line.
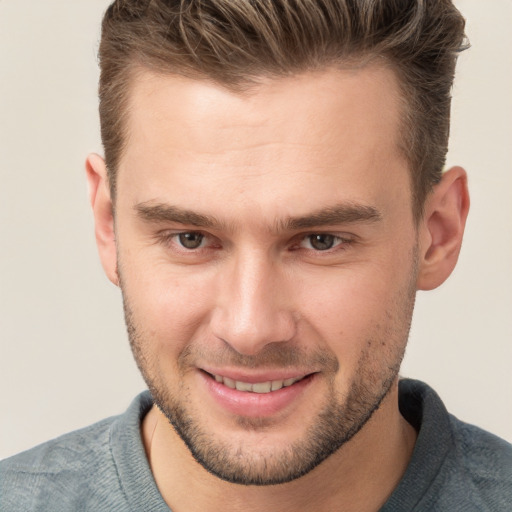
[256, 387]
[260, 394]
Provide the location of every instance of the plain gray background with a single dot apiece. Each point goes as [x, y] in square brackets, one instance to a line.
[64, 357]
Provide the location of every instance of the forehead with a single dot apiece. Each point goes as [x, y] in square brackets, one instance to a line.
[315, 133]
[367, 97]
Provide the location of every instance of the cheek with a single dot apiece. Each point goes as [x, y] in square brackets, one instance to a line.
[170, 307]
[358, 310]
[342, 299]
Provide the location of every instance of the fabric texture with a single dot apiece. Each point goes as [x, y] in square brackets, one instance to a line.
[455, 467]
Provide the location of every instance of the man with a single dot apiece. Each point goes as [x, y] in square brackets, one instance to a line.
[271, 198]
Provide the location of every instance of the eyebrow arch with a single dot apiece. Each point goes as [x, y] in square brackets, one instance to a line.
[159, 212]
[344, 213]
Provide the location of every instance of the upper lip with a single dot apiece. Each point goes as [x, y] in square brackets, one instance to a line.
[259, 376]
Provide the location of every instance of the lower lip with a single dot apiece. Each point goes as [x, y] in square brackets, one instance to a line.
[255, 405]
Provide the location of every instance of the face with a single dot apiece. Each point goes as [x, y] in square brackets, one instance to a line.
[267, 259]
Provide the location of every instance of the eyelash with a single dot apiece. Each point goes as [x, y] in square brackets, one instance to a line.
[172, 238]
[340, 242]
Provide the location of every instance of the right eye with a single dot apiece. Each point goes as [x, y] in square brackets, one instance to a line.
[190, 239]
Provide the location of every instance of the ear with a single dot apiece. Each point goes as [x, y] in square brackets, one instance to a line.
[99, 197]
[442, 228]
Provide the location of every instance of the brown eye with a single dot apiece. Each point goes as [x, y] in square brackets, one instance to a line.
[322, 242]
[191, 240]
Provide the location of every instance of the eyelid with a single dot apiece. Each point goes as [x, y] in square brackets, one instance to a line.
[336, 234]
[170, 235]
[343, 242]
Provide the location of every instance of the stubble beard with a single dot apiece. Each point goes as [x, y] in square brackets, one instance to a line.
[341, 417]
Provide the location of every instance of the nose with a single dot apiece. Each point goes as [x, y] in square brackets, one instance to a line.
[253, 306]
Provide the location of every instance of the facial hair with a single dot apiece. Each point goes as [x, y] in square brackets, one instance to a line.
[341, 416]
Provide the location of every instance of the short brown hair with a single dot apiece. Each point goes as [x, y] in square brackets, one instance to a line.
[235, 42]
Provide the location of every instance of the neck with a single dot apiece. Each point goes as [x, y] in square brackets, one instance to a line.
[360, 476]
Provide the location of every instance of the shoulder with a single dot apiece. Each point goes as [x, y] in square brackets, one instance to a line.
[72, 450]
[485, 463]
[77, 471]
[455, 466]
[58, 473]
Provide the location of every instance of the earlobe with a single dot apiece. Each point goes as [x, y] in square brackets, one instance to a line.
[442, 228]
[101, 203]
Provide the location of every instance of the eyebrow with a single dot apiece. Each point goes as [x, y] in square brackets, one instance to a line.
[159, 212]
[345, 213]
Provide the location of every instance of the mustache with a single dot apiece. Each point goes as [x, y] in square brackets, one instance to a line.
[277, 355]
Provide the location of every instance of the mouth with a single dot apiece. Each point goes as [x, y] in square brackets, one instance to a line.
[263, 387]
[256, 396]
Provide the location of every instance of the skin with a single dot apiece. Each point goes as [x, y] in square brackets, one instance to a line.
[259, 171]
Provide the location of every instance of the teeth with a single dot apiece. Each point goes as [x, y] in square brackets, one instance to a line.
[258, 387]
[277, 384]
[243, 386]
[228, 382]
[262, 387]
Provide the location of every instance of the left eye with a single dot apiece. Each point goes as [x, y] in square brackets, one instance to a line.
[191, 240]
[321, 241]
